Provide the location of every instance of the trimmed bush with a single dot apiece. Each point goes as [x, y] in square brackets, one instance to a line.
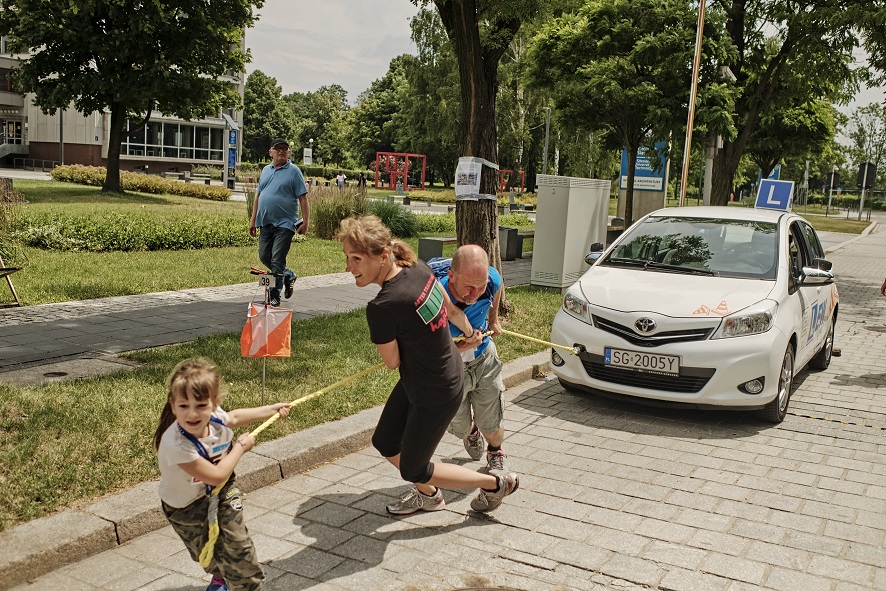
[117, 232]
[400, 220]
[429, 223]
[94, 176]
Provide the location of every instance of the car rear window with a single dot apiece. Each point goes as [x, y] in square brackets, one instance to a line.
[731, 248]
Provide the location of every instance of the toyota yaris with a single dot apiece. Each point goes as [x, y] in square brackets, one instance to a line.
[714, 307]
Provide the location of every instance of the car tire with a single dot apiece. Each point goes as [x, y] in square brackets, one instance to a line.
[775, 411]
[822, 359]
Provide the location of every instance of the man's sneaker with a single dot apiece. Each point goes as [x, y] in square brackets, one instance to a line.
[217, 584]
[413, 500]
[274, 300]
[288, 284]
[490, 501]
[495, 461]
[474, 444]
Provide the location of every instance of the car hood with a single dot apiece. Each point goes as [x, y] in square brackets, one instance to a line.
[673, 294]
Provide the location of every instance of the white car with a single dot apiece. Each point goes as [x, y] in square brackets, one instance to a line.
[706, 306]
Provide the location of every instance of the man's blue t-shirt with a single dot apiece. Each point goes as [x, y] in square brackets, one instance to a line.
[478, 311]
[278, 191]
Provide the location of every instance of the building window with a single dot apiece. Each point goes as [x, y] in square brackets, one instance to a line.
[178, 141]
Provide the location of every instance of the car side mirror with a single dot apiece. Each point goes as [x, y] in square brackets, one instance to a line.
[814, 276]
[597, 249]
[822, 264]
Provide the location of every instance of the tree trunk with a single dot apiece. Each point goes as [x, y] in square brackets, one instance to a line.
[629, 191]
[112, 174]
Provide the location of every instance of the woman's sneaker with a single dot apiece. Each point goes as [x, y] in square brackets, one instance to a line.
[474, 444]
[495, 461]
[490, 501]
[413, 500]
[217, 584]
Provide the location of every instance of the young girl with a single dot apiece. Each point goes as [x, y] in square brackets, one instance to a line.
[196, 450]
[409, 324]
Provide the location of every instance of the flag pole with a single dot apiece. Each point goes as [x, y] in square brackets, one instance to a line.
[690, 120]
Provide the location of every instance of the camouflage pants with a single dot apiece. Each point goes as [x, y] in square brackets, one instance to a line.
[234, 558]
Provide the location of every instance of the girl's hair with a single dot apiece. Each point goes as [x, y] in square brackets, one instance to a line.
[196, 378]
[367, 234]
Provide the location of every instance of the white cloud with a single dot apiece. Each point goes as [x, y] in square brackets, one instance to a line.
[306, 45]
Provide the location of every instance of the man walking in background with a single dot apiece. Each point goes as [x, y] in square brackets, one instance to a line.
[279, 199]
[475, 287]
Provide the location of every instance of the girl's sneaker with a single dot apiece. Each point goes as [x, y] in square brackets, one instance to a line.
[413, 501]
[508, 483]
[217, 584]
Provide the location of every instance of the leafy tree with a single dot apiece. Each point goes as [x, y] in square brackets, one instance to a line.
[265, 116]
[428, 118]
[774, 38]
[867, 133]
[480, 32]
[319, 116]
[621, 67]
[128, 57]
[371, 127]
[794, 132]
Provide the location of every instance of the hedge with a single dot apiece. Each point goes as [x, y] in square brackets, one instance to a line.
[94, 176]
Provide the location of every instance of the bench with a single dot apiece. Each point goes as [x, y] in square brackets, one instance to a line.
[510, 244]
[405, 198]
[429, 248]
[197, 178]
[5, 272]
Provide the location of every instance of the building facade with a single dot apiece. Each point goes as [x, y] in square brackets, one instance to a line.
[30, 138]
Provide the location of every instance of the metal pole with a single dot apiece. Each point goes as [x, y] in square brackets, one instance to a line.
[831, 193]
[690, 119]
[61, 137]
[864, 182]
[544, 162]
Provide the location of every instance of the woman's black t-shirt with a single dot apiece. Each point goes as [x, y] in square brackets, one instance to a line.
[410, 308]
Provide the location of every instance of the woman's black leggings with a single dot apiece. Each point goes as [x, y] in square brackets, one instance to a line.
[413, 432]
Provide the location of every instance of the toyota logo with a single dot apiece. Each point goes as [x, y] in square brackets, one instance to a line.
[645, 324]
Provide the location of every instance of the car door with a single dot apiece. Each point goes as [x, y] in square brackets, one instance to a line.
[815, 297]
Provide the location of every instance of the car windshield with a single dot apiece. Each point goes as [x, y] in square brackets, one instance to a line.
[725, 248]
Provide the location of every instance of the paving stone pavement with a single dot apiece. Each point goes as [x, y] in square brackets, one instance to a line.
[613, 496]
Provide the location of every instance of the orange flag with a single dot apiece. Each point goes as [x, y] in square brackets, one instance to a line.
[267, 332]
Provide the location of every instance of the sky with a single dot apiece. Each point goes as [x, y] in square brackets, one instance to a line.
[306, 45]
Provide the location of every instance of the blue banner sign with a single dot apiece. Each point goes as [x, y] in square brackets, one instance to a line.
[646, 177]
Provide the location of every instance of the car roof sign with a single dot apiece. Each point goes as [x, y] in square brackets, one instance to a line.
[775, 195]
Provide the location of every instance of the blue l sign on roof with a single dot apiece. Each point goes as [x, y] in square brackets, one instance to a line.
[775, 195]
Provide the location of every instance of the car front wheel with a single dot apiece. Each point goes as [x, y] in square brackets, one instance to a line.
[822, 359]
[775, 411]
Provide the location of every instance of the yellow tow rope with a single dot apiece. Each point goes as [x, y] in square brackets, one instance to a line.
[209, 549]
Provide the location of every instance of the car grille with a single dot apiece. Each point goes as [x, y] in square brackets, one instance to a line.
[690, 380]
[656, 340]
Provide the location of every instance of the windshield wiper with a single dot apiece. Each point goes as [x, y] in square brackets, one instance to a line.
[679, 268]
[625, 262]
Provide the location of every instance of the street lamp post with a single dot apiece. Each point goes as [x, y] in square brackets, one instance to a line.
[831, 192]
[544, 161]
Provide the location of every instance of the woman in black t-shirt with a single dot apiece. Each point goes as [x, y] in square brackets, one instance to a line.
[408, 322]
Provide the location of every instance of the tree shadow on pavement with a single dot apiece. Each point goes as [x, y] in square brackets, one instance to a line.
[342, 534]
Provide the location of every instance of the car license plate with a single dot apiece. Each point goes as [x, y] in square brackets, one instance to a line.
[637, 361]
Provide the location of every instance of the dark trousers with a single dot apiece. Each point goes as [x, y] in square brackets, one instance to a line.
[413, 432]
[273, 248]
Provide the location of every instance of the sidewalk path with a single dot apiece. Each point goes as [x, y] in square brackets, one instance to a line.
[79, 336]
[613, 496]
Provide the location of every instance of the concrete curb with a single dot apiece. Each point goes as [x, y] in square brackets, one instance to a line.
[863, 234]
[37, 547]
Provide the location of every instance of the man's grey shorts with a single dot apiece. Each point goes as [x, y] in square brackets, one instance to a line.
[483, 391]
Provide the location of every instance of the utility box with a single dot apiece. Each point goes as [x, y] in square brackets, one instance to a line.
[572, 214]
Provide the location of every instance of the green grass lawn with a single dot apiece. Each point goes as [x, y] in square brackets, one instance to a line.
[66, 442]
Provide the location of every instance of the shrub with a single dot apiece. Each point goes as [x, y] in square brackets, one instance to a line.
[143, 183]
[117, 232]
[400, 220]
[329, 207]
[10, 213]
[429, 223]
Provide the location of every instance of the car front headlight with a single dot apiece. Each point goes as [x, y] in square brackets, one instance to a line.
[575, 305]
[754, 320]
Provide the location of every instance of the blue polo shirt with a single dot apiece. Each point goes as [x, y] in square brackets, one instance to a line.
[478, 311]
[278, 191]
